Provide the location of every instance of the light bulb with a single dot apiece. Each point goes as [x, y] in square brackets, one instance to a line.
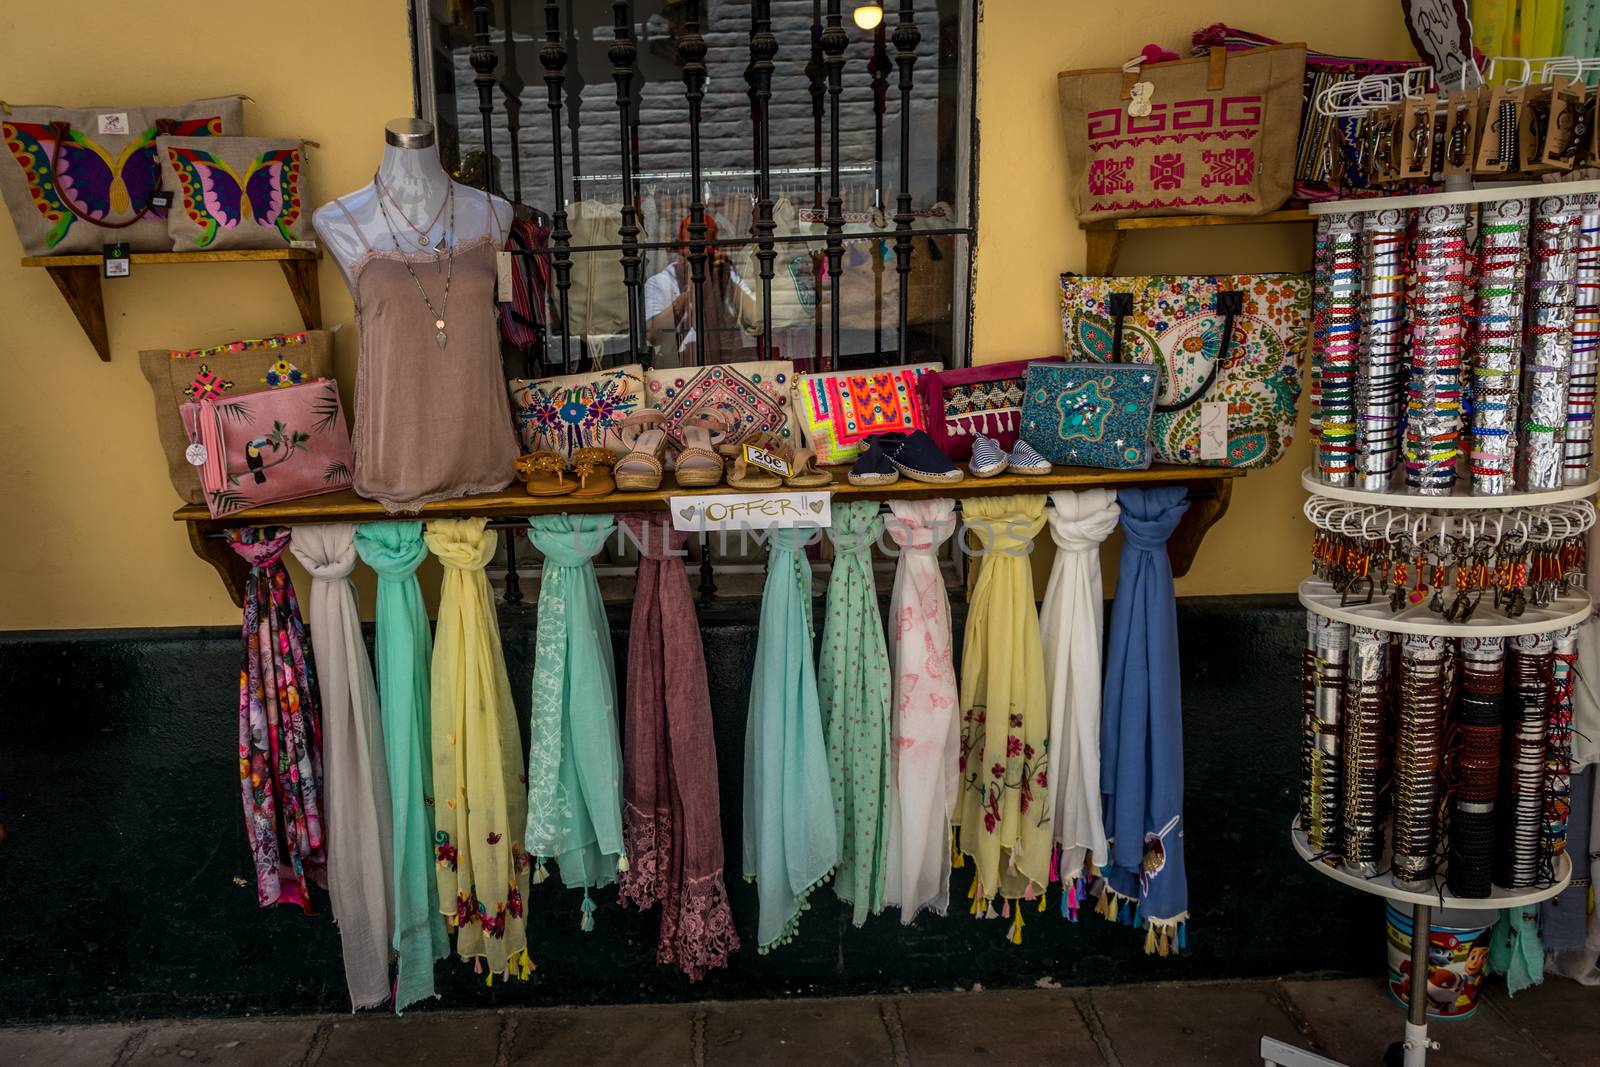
[868, 16]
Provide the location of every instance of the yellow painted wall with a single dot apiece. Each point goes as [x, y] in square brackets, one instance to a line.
[86, 538]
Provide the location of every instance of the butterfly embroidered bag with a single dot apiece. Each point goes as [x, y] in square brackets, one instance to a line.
[80, 178]
[235, 193]
[753, 397]
[1214, 134]
[1230, 351]
[276, 445]
[967, 401]
[1090, 414]
[222, 372]
[576, 411]
[841, 409]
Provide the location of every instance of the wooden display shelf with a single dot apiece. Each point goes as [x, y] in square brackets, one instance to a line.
[1104, 239]
[1211, 490]
[78, 278]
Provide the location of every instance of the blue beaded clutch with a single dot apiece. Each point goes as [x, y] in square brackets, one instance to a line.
[1091, 414]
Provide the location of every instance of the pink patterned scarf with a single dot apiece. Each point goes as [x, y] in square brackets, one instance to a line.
[280, 731]
[671, 820]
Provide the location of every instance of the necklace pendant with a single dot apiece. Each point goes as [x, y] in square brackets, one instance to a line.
[196, 454]
[425, 241]
[440, 338]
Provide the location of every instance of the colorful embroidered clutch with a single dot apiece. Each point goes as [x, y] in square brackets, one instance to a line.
[223, 372]
[1177, 323]
[235, 193]
[81, 178]
[968, 401]
[754, 397]
[281, 444]
[576, 411]
[1090, 414]
[841, 409]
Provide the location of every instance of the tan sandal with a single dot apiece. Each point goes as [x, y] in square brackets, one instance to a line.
[698, 465]
[545, 474]
[593, 468]
[746, 476]
[645, 435]
[807, 475]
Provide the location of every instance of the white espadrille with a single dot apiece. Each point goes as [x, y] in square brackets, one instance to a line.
[988, 458]
[1025, 459]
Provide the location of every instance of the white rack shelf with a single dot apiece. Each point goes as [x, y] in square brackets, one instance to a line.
[1320, 597]
[1456, 501]
[1519, 191]
[1385, 885]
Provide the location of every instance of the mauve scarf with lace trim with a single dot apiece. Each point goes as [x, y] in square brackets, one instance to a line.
[671, 818]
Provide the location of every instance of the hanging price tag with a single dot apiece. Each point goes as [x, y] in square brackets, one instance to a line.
[161, 199]
[1214, 429]
[114, 260]
[503, 276]
[757, 457]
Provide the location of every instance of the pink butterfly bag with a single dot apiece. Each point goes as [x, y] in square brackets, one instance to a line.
[76, 179]
[235, 193]
[267, 447]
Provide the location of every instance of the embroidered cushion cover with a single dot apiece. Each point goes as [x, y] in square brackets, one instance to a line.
[280, 444]
[234, 192]
[841, 409]
[574, 411]
[1091, 414]
[1175, 324]
[754, 397]
[1218, 138]
[80, 178]
[222, 372]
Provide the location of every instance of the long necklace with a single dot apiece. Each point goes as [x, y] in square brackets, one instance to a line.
[447, 240]
[422, 239]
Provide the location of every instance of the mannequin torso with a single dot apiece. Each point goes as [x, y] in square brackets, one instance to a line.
[417, 187]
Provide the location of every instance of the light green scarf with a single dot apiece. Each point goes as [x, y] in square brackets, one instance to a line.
[853, 690]
[574, 756]
[394, 549]
[790, 844]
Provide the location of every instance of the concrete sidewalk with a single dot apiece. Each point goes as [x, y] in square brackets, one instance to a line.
[1166, 1025]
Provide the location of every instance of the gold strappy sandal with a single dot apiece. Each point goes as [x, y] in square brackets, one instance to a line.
[545, 474]
[593, 468]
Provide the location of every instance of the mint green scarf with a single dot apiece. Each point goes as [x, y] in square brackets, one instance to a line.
[394, 549]
[790, 844]
[853, 690]
[574, 756]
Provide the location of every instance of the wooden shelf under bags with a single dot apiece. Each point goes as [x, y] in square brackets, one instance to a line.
[1104, 239]
[79, 279]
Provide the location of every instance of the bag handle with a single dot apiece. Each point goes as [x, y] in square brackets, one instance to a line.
[62, 131]
[1230, 305]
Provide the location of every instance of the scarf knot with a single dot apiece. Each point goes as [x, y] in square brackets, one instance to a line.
[921, 525]
[654, 536]
[1081, 521]
[1006, 525]
[571, 540]
[855, 530]
[259, 547]
[393, 549]
[461, 544]
[1149, 516]
[327, 552]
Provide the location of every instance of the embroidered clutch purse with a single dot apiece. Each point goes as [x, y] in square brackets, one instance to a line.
[1090, 414]
[281, 444]
[968, 401]
[753, 397]
[576, 411]
[841, 409]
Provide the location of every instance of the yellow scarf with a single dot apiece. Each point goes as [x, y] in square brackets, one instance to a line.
[1527, 28]
[1004, 812]
[479, 806]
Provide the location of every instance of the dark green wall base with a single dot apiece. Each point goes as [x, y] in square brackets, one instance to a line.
[125, 882]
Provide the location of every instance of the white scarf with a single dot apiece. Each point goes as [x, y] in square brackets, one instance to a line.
[356, 775]
[925, 738]
[1071, 622]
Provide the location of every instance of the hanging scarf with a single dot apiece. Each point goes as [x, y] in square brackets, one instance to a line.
[1580, 31]
[926, 733]
[853, 694]
[574, 759]
[360, 831]
[1070, 623]
[672, 820]
[477, 760]
[1515, 949]
[280, 733]
[1141, 729]
[405, 647]
[790, 844]
[1005, 719]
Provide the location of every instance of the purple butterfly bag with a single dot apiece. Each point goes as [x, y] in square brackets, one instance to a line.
[280, 444]
[76, 179]
[235, 193]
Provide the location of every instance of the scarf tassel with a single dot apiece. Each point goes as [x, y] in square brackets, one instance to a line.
[540, 874]
[1015, 936]
[586, 924]
[957, 860]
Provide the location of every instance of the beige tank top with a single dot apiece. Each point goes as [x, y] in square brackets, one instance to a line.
[431, 423]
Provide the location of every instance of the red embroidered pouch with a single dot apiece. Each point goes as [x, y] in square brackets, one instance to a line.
[961, 404]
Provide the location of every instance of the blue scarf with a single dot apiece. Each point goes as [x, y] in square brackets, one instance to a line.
[1141, 729]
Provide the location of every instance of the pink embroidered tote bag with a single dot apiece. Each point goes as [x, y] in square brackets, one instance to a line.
[1210, 135]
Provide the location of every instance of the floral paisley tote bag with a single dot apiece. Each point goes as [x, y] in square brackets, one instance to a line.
[1230, 351]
